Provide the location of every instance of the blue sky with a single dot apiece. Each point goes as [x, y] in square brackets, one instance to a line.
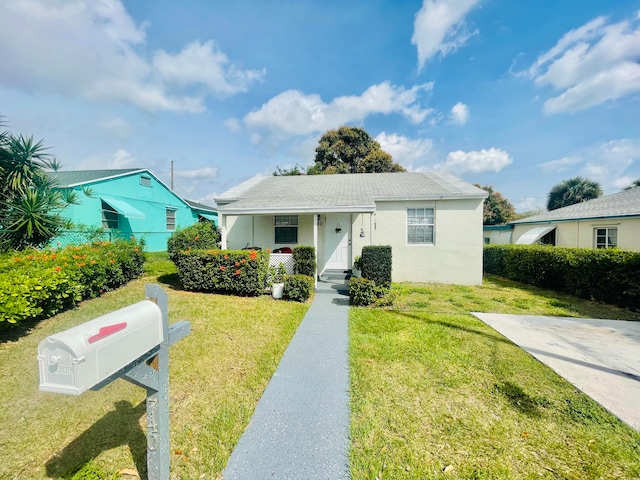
[520, 95]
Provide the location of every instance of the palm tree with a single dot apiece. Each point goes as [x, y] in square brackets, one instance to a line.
[573, 190]
[29, 206]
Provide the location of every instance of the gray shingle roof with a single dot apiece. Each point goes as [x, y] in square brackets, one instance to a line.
[79, 177]
[621, 204]
[200, 206]
[353, 192]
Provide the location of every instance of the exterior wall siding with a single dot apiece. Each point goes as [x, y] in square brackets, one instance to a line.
[579, 233]
[152, 201]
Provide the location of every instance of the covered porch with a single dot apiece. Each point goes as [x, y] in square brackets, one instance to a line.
[337, 236]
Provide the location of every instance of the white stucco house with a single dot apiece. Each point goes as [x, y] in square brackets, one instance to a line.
[433, 221]
[612, 221]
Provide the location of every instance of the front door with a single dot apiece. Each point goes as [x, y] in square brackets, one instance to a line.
[337, 241]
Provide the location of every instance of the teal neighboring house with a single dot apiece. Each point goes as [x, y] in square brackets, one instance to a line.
[129, 203]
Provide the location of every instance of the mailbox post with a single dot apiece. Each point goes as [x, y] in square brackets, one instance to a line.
[131, 343]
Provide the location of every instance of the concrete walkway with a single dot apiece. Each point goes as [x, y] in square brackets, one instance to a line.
[600, 357]
[300, 428]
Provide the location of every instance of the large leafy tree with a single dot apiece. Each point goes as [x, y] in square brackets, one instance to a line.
[29, 205]
[573, 190]
[351, 150]
[497, 210]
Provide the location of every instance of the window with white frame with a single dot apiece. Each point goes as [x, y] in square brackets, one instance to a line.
[606, 237]
[145, 181]
[420, 226]
[286, 228]
[109, 217]
[171, 218]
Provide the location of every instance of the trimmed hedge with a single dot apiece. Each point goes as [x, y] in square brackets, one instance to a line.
[376, 264]
[199, 236]
[606, 275]
[239, 272]
[298, 287]
[304, 260]
[38, 284]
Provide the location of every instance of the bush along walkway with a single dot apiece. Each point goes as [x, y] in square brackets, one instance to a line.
[300, 428]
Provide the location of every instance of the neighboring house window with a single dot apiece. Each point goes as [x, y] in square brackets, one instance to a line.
[286, 228]
[420, 225]
[109, 217]
[606, 237]
[487, 240]
[549, 238]
[145, 181]
[171, 219]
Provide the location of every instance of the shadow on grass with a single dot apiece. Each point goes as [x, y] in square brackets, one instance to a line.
[116, 428]
[13, 332]
[493, 336]
[520, 400]
[171, 279]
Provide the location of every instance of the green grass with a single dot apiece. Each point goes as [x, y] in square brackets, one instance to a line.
[436, 393]
[218, 374]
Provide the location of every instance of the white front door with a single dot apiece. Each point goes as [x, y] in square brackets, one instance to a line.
[337, 239]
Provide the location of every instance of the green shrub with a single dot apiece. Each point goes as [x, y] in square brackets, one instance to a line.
[199, 236]
[304, 260]
[362, 292]
[606, 275]
[376, 264]
[298, 287]
[38, 284]
[240, 272]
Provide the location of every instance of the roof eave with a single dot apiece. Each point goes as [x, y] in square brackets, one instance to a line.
[576, 219]
[430, 197]
[296, 210]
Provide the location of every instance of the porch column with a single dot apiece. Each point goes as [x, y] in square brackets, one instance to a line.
[223, 230]
[371, 227]
[316, 219]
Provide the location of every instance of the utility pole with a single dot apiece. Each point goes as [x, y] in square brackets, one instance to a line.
[171, 174]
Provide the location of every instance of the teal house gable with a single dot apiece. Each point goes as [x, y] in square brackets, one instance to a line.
[128, 203]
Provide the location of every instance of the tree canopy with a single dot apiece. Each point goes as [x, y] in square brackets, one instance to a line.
[497, 210]
[351, 150]
[571, 191]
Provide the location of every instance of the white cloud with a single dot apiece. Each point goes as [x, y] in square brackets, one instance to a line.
[205, 173]
[405, 151]
[614, 164]
[489, 160]
[119, 159]
[97, 52]
[295, 113]
[459, 113]
[592, 64]
[439, 27]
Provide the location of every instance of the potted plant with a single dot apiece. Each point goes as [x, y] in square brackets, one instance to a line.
[356, 271]
[277, 280]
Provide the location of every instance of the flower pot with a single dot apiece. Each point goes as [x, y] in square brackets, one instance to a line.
[277, 289]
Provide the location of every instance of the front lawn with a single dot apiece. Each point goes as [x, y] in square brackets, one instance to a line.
[436, 393]
[218, 374]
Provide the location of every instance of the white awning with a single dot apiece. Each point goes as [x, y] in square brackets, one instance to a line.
[123, 208]
[213, 218]
[533, 235]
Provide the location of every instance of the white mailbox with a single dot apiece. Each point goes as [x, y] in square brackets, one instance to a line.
[77, 359]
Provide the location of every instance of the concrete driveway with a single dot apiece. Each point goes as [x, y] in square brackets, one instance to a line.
[600, 357]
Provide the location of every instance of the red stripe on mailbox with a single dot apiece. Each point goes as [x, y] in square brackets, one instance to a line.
[106, 331]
